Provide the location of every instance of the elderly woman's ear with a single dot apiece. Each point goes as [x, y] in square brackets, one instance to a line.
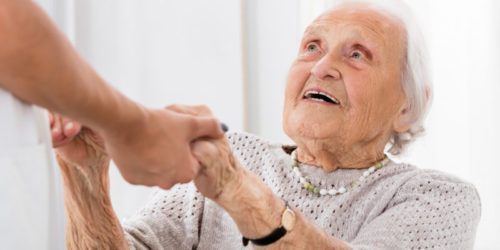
[401, 123]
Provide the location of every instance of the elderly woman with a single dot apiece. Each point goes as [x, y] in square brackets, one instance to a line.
[359, 85]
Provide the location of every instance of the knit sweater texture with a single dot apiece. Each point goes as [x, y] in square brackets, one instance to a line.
[397, 207]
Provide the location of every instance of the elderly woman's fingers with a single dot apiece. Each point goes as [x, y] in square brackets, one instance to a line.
[205, 152]
[62, 130]
[218, 166]
[56, 130]
[70, 128]
[206, 180]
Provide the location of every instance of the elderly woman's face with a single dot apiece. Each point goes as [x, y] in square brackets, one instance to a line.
[344, 86]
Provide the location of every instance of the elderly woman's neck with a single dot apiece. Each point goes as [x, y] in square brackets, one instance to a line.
[331, 160]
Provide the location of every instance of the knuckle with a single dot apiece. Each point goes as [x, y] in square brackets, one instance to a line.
[215, 122]
[193, 122]
[185, 179]
[186, 176]
[132, 179]
[165, 185]
[172, 106]
[204, 109]
[164, 181]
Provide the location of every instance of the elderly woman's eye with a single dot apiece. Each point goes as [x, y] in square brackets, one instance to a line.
[312, 47]
[356, 55]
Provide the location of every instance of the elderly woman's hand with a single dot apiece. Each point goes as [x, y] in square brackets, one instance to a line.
[252, 205]
[84, 168]
[246, 198]
[75, 144]
[219, 169]
[218, 165]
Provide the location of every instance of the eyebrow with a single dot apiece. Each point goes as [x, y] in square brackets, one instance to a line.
[368, 51]
[316, 29]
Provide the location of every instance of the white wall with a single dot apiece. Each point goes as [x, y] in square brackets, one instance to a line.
[463, 135]
[272, 39]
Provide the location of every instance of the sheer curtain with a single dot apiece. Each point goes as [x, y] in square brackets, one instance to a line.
[160, 53]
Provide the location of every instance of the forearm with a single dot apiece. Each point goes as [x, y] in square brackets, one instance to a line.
[257, 212]
[307, 235]
[91, 222]
[39, 65]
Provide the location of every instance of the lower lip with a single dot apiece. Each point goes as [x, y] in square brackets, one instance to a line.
[318, 102]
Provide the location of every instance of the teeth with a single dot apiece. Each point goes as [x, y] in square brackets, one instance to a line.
[313, 95]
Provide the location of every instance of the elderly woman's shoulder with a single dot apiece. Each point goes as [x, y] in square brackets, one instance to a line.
[430, 177]
[435, 187]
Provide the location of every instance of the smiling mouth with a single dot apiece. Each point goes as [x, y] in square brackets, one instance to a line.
[320, 97]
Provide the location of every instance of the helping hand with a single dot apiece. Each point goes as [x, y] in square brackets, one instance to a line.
[218, 166]
[155, 151]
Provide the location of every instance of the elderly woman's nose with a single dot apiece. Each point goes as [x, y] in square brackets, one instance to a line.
[325, 68]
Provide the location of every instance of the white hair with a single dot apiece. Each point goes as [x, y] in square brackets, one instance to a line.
[416, 76]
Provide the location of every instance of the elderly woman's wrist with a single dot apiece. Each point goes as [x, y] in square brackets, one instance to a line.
[253, 206]
[91, 177]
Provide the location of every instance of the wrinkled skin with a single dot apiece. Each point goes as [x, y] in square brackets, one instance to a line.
[90, 220]
[356, 57]
[218, 166]
[83, 149]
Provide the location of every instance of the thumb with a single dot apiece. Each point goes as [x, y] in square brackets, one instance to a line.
[203, 151]
[206, 127]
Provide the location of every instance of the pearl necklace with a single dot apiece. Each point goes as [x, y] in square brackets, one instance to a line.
[308, 186]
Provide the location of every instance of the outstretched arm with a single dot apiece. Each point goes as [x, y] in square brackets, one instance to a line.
[428, 210]
[40, 66]
[251, 203]
[91, 222]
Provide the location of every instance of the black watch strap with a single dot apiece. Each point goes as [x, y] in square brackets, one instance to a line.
[278, 232]
[271, 238]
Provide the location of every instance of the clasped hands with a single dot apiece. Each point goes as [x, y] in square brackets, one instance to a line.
[217, 173]
[194, 152]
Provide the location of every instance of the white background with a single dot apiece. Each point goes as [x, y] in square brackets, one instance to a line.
[234, 56]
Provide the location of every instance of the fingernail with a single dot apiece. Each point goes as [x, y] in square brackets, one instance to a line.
[56, 130]
[68, 126]
[224, 127]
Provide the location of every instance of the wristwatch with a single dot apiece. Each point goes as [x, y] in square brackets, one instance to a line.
[287, 224]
